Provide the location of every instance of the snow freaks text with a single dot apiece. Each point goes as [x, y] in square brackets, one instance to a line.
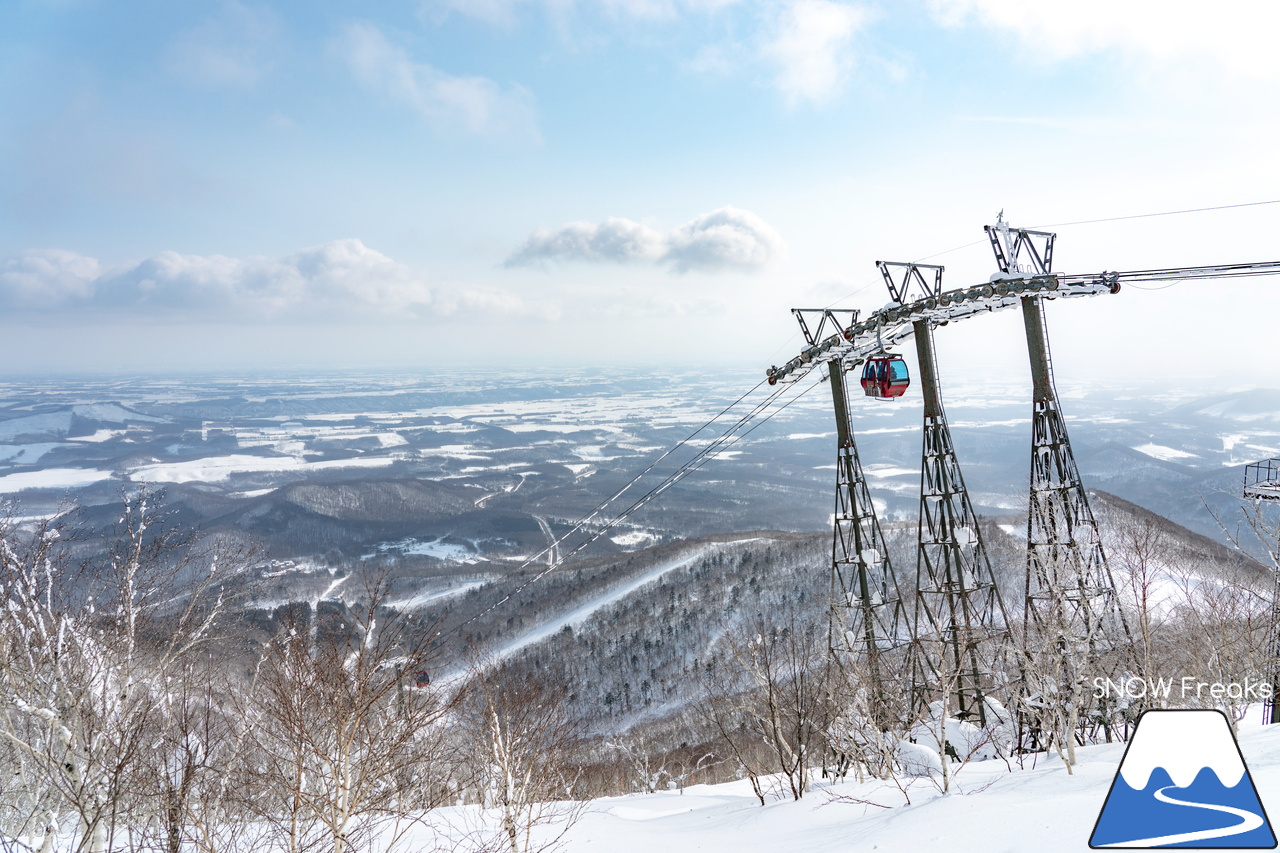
[1187, 687]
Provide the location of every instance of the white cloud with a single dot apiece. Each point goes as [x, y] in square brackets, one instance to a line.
[343, 279]
[474, 104]
[725, 239]
[1236, 34]
[47, 277]
[811, 47]
[806, 45]
[233, 49]
[615, 240]
[341, 275]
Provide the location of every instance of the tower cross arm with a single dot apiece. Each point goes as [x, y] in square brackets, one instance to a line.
[853, 339]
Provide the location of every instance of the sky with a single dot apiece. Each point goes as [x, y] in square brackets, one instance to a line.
[448, 183]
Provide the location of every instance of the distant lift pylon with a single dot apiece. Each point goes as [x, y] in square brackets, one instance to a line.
[1262, 485]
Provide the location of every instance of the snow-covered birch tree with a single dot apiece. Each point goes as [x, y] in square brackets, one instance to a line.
[521, 738]
[88, 647]
[345, 746]
[773, 688]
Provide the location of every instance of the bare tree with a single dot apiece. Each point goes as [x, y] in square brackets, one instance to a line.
[86, 652]
[344, 747]
[521, 739]
[1145, 558]
[1259, 526]
[652, 768]
[196, 771]
[1224, 638]
[773, 687]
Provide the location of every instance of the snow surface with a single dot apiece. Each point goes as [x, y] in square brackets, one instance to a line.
[991, 809]
[635, 537]
[1165, 454]
[423, 598]
[889, 471]
[218, 468]
[437, 548]
[111, 413]
[584, 612]
[59, 422]
[101, 435]
[26, 454]
[51, 478]
[50, 423]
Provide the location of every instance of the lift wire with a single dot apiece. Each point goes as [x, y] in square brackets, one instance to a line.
[916, 261]
[787, 345]
[1162, 213]
[948, 251]
[1081, 222]
[1161, 287]
[729, 437]
[719, 446]
[851, 295]
[688, 467]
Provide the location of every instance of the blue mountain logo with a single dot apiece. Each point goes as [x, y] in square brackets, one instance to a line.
[1183, 783]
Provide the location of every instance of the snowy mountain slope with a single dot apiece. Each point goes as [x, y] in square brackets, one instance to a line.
[589, 608]
[1254, 405]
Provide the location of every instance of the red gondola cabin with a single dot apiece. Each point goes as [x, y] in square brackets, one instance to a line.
[885, 377]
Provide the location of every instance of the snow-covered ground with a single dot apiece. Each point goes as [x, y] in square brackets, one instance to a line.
[213, 469]
[431, 596]
[581, 613]
[51, 478]
[1040, 809]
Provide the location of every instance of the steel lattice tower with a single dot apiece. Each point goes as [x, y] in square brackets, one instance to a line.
[1072, 611]
[866, 618]
[960, 625]
[1073, 621]
[1262, 484]
[866, 605]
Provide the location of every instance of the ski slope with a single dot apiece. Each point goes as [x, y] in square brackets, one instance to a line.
[580, 614]
[584, 611]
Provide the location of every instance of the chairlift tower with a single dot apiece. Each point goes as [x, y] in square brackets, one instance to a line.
[1262, 483]
[866, 611]
[959, 623]
[1072, 610]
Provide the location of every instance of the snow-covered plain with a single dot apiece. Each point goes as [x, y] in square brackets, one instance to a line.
[51, 478]
[992, 809]
[85, 439]
[218, 468]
